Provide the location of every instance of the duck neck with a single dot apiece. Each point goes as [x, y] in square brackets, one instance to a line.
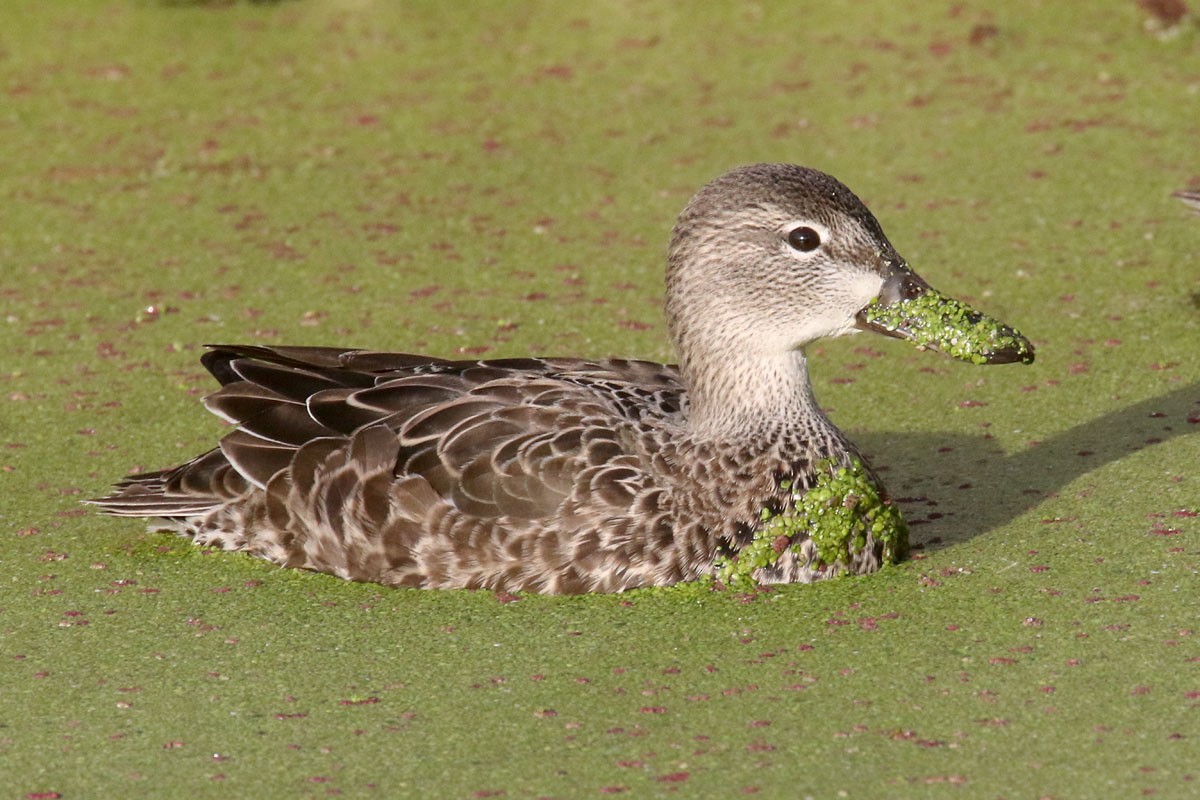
[766, 399]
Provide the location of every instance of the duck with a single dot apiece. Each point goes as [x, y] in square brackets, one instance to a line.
[571, 475]
[1189, 197]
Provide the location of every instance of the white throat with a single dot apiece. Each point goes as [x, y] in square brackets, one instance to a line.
[752, 396]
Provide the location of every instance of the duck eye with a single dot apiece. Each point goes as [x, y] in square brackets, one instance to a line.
[804, 239]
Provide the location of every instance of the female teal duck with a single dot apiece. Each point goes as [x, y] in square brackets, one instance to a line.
[563, 475]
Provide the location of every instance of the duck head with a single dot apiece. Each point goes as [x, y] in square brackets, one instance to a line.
[770, 257]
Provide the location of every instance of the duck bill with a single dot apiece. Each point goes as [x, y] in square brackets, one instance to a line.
[909, 308]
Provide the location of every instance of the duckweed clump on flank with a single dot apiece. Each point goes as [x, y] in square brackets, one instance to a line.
[950, 326]
[837, 513]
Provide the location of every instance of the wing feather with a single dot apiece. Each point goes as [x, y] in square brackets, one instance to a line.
[410, 448]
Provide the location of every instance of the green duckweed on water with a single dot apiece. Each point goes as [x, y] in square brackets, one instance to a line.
[838, 513]
[952, 327]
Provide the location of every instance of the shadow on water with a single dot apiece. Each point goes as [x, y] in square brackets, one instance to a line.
[953, 487]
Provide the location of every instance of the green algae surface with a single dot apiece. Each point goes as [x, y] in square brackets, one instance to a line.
[950, 326]
[843, 513]
[466, 179]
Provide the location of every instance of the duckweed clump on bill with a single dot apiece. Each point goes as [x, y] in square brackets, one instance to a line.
[950, 326]
[837, 513]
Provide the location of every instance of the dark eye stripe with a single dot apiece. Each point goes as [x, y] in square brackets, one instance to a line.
[804, 239]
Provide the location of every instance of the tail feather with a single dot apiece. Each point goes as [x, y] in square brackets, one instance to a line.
[197, 487]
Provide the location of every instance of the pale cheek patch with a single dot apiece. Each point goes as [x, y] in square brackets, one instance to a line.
[838, 310]
[856, 294]
[865, 287]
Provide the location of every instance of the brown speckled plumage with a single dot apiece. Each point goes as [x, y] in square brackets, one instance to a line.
[553, 475]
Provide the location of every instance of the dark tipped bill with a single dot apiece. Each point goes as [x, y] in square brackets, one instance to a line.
[908, 308]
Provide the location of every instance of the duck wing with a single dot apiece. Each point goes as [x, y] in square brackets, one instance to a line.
[495, 438]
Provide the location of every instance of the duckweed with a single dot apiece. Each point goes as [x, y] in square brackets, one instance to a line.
[952, 327]
[837, 513]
